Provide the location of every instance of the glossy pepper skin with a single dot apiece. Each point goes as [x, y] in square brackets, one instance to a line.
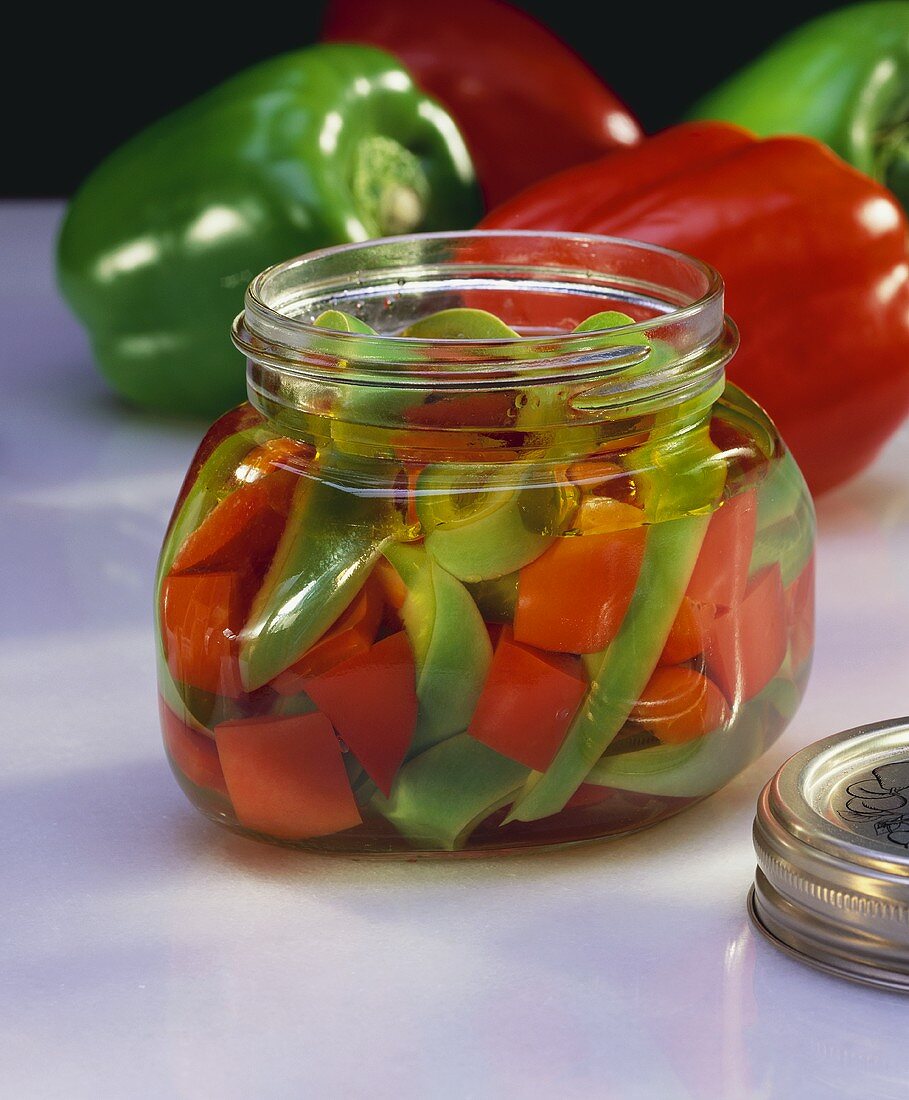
[527, 105]
[814, 257]
[317, 147]
[842, 78]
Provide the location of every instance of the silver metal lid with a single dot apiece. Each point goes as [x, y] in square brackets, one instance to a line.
[832, 840]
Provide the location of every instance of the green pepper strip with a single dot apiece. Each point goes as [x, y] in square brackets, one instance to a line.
[620, 672]
[488, 536]
[503, 532]
[451, 646]
[331, 541]
[368, 404]
[487, 541]
[703, 766]
[679, 477]
[442, 795]
[782, 494]
[789, 544]
[785, 522]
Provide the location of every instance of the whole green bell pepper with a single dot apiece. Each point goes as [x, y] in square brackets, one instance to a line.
[325, 145]
[842, 78]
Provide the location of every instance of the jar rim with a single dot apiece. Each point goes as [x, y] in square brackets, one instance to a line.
[258, 307]
[521, 276]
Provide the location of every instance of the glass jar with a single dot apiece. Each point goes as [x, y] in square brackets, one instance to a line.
[442, 593]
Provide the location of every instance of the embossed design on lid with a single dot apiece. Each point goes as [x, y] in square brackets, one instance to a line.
[831, 835]
[877, 802]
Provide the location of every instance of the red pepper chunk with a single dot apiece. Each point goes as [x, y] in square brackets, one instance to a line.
[747, 643]
[192, 752]
[680, 704]
[721, 571]
[598, 475]
[689, 632]
[573, 597]
[394, 590]
[286, 776]
[528, 701]
[241, 532]
[201, 615]
[353, 632]
[239, 525]
[371, 699]
[478, 410]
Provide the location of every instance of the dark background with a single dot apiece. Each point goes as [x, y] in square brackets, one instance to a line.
[86, 87]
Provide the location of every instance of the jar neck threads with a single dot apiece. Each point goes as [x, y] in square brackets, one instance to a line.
[540, 284]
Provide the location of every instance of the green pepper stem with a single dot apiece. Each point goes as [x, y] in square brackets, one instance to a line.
[892, 155]
[389, 186]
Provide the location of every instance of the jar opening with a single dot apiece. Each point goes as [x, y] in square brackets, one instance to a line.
[541, 284]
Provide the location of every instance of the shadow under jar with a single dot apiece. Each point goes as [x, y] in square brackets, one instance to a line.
[436, 590]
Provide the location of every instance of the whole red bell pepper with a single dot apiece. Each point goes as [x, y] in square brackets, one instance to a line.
[814, 256]
[526, 104]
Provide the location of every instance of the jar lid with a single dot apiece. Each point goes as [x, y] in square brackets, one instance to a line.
[832, 840]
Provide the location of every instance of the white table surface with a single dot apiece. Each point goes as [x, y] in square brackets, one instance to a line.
[145, 952]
